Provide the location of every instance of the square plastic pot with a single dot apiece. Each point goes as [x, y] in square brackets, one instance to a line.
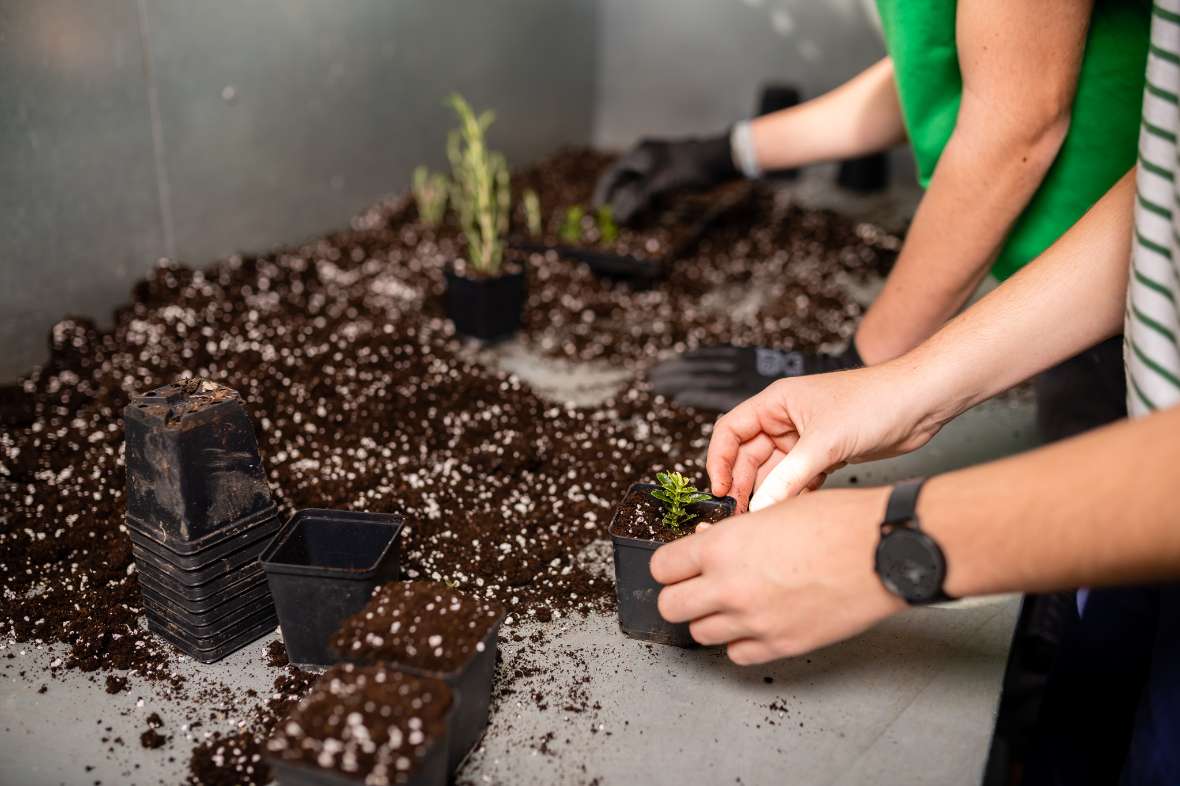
[149, 557]
[322, 567]
[193, 468]
[635, 588]
[202, 601]
[431, 769]
[221, 586]
[213, 628]
[254, 531]
[214, 648]
[471, 688]
[257, 596]
[488, 308]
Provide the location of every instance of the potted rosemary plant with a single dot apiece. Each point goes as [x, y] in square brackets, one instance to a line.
[485, 293]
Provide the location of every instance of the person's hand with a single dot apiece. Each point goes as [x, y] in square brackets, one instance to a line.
[781, 582]
[655, 167]
[720, 378]
[788, 437]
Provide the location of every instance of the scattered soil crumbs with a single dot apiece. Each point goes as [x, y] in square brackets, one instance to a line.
[418, 623]
[364, 399]
[639, 515]
[276, 654]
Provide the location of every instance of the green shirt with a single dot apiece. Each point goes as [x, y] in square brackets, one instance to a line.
[1104, 125]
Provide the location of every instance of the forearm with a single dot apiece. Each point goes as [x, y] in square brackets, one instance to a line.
[1067, 300]
[1092, 511]
[859, 117]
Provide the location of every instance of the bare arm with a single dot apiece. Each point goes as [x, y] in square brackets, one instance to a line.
[1020, 63]
[859, 117]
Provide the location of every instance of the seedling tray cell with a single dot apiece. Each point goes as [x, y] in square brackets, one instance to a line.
[637, 591]
[322, 567]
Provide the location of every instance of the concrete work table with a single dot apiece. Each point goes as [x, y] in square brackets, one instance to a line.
[912, 701]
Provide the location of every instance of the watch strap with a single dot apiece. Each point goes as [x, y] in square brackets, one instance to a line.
[903, 502]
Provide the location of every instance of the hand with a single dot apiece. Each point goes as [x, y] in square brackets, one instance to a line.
[720, 378]
[781, 582]
[655, 167]
[785, 439]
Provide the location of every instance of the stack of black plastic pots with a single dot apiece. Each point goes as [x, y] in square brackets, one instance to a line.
[199, 512]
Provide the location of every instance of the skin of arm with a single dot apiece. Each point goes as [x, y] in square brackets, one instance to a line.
[859, 117]
[1073, 296]
[1020, 64]
[1096, 510]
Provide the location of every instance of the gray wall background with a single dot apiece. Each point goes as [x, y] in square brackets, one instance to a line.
[132, 130]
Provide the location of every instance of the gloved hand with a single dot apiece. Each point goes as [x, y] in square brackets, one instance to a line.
[720, 378]
[655, 167]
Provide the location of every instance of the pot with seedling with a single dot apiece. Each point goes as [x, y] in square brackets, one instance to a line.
[485, 292]
[648, 516]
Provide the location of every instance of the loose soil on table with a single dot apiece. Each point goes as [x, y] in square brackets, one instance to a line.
[423, 624]
[364, 721]
[363, 398]
[641, 516]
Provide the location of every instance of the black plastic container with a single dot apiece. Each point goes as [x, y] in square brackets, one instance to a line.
[193, 469]
[772, 98]
[322, 567]
[218, 588]
[256, 597]
[254, 531]
[229, 564]
[202, 600]
[637, 591]
[211, 649]
[430, 769]
[206, 636]
[488, 308]
[864, 175]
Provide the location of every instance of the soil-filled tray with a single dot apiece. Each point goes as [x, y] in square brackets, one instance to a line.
[373, 724]
[322, 567]
[430, 629]
[641, 252]
[214, 650]
[195, 553]
[252, 598]
[636, 532]
[146, 555]
[193, 467]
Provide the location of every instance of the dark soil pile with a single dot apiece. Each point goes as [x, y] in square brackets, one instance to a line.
[364, 721]
[639, 515]
[417, 623]
[363, 399]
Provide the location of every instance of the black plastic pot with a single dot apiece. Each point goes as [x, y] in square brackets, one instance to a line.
[322, 567]
[219, 587]
[429, 770]
[206, 636]
[203, 599]
[254, 531]
[637, 591]
[471, 686]
[773, 98]
[231, 563]
[256, 596]
[864, 175]
[487, 308]
[193, 469]
[212, 649]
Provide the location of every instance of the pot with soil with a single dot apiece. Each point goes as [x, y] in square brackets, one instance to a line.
[431, 630]
[486, 307]
[371, 724]
[323, 566]
[641, 524]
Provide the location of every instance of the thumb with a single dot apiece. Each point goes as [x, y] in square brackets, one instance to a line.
[793, 474]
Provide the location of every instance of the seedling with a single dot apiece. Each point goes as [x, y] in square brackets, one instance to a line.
[480, 188]
[532, 213]
[608, 230]
[676, 494]
[430, 194]
[571, 225]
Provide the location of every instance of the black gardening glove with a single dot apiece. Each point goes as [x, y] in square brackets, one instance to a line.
[720, 378]
[655, 167]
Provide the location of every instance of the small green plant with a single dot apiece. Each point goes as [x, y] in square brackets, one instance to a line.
[571, 225]
[676, 494]
[479, 188]
[608, 230]
[430, 194]
[532, 213]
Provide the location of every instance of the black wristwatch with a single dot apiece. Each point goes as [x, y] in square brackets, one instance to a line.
[909, 562]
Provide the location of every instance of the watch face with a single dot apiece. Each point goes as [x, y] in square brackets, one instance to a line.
[910, 564]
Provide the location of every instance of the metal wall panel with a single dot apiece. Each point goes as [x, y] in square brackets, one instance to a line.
[79, 215]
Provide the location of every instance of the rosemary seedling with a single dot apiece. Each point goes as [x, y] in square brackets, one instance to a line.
[608, 230]
[430, 194]
[532, 213]
[479, 189]
[676, 494]
[571, 225]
